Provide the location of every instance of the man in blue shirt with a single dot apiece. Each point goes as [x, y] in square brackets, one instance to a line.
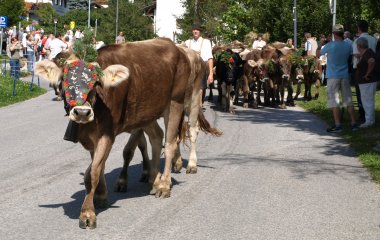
[338, 55]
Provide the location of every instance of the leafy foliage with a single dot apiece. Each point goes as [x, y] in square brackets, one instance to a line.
[131, 21]
[235, 20]
[84, 48]
[13, 9]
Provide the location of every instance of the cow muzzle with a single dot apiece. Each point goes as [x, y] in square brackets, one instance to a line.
[285, 76]
[82, 114]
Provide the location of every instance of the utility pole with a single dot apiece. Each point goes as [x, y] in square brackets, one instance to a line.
[117, 19]
[89, 13]
[295, 23]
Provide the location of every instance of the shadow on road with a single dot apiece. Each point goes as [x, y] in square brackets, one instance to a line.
[136, 189]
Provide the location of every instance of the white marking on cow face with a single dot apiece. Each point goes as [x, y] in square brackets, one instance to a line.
[82, 114]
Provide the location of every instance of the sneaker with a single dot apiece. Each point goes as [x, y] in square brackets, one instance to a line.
[334, 129]
[365, 125]
[354, 127]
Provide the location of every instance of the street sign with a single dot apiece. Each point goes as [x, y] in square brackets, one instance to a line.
[72, 25]
[3, 21]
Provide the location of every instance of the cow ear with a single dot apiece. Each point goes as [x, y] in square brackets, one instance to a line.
[113, 75]
[252, 63]
[48, 70]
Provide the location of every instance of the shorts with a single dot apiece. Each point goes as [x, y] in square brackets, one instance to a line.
[335, 87]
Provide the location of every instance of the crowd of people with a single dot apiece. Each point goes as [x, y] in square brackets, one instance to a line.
[36, 45]
[350, 62]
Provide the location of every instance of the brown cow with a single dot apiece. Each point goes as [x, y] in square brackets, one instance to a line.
[149, 83]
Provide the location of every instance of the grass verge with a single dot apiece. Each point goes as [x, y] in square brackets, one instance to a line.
[22, 91]
[365, 142]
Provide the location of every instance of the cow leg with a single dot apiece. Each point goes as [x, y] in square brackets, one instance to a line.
[229, 99]
[155, 135]
[224, 93]
[96, 190]
[289, 98]
[317, 86]
[298, 90]
[177, 160]
[245, 92]
[137, 138]
[194, 130]
[172, 119]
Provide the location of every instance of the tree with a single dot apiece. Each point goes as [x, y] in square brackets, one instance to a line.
[13, 9]
[131, 21]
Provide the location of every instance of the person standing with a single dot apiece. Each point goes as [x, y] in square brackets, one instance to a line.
[366, 80]
[15, 49]
[259, 43]
[203, 47]
[56, 45]
[347, 37]
[30, 45]
[311, 45]
[339, 53]
[120, 38]
[362, 31]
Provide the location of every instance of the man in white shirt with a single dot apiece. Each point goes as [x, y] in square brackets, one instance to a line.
[259, 43]
[56, 45]
[203, 47]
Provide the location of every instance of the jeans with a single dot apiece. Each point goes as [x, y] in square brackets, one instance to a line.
[15, 68]
[30, 59]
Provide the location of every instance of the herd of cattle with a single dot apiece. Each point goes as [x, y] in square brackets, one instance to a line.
[271, 70]
[126, 91]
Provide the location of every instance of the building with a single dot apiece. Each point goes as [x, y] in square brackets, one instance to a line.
[165, 14]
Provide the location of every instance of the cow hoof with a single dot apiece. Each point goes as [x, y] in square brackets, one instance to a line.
[87, 220]
[177, 166]
[316, 96]
[255, 105]
[191, 169]
[58, 98]
[87, 223]
[155, 184]
[163, 193]
[120, 186]
[144, 177]
[245, 105]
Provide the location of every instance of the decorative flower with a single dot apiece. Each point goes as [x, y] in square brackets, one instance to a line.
[72, 102]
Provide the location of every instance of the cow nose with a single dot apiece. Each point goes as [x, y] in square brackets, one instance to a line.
[84, 112]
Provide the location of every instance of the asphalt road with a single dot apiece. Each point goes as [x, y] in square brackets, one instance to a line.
[274, 174]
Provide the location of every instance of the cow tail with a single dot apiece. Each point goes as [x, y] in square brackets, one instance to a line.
[183, 130]
[206, 127]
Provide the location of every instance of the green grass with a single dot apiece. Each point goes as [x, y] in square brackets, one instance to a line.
[22, 91]
[362, 141]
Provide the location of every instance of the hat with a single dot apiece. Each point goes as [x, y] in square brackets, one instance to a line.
[196, 26]
[338, 28]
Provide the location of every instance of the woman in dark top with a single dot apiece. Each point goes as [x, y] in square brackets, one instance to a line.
[366, 77]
